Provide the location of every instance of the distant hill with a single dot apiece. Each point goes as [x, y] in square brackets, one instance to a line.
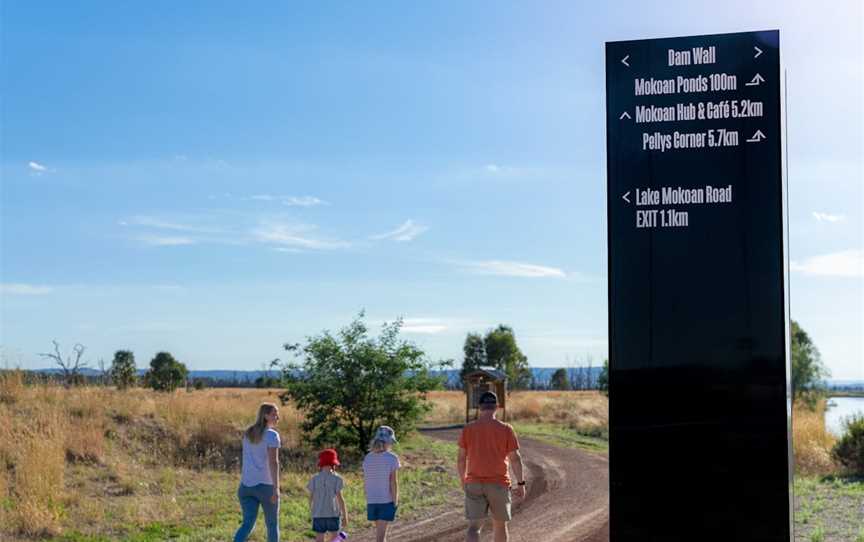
[849, 385]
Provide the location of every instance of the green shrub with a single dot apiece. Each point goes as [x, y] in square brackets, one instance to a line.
[849, 450]
[166, 373]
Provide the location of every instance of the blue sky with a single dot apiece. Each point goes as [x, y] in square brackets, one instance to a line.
[215, 179]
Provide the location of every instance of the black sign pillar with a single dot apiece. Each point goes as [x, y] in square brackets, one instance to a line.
[699, 434]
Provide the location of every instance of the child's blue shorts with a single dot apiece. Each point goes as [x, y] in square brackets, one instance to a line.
[381, 511]
[326, 525]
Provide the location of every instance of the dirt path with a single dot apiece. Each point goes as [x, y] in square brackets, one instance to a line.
[567, 500]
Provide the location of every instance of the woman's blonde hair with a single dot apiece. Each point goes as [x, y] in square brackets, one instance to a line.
[256, 430]
[378, 445]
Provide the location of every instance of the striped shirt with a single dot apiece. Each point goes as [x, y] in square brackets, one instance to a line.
[377, 467]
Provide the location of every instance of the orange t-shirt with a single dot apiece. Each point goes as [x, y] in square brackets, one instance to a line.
[487, 445]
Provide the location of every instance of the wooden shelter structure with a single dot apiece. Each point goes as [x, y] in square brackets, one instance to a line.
[482, 380]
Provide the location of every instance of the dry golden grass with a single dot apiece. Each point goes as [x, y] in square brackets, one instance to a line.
[581, 410]
[32, 447]
[811, 442]
[46, 432]
[70, 452]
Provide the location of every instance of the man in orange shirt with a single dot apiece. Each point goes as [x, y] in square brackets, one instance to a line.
[487, 449]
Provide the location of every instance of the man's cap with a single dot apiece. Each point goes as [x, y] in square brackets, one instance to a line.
[488, 398]
[328, 458]
[385, 433]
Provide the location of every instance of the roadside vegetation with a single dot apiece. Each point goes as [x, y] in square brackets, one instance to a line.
[98, 463]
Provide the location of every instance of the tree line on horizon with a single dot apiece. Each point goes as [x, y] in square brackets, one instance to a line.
[497, 349]
[349, 382]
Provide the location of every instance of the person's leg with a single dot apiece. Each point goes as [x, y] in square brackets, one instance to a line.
[501, 532]
[500, 507]
[319, 537]
[473, 533]
[476, 510]
[271, 512]
[249, 506]
[381, 530]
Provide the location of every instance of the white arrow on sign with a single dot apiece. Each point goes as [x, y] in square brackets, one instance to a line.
[757, 137]
[624, 115]
[624, 197]
[755, 81]
[624, 61]
[758, 52]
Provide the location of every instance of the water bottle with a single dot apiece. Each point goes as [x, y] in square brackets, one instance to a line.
[340, 537]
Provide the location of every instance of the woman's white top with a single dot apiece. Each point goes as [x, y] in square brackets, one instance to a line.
[255, 464]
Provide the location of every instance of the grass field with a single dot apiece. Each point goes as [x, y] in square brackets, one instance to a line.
[94, 464]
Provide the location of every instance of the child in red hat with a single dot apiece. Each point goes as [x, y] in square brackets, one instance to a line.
[325, 497]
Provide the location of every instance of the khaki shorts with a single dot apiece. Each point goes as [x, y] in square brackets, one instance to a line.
[481, 498]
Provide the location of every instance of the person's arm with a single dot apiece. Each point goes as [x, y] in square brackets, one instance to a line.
[461, 464]
[273, 461]
[516, 464]
[394, 486]
[341, 502]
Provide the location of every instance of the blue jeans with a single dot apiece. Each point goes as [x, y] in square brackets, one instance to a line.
[250, 499]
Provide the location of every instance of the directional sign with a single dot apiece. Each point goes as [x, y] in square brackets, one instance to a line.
[699, 447]
[757, 79]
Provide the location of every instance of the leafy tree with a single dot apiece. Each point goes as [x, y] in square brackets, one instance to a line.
[122, 371]
[603, 378]
[166, 373]
[267, 381]
[504, 354]
[351, 383]
[808, 372]
[475, 354]
[559, 380]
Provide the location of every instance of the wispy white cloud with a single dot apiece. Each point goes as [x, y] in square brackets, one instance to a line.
[424, 326]
[38, 169]
[158, 223]
[228, 228]
[845, 263]
[165, 240]
[303, 201]
[17, 288]
[827, 217]
[288, 201]
[407, 231]
[512, 269]
[297, 236]
[501, 171]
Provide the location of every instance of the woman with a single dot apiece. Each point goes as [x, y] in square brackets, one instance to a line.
[259, 482]
[381, 481]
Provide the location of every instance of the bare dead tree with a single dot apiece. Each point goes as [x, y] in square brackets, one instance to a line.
[72, 365]
[104, 372]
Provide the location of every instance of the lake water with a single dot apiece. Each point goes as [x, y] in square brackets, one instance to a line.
[843, 407]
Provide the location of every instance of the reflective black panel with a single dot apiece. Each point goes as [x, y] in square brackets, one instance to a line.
[698, 420]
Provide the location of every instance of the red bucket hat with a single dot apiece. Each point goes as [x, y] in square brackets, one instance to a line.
[328, 458]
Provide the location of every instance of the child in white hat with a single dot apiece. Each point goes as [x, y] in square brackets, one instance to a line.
[381, 482]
